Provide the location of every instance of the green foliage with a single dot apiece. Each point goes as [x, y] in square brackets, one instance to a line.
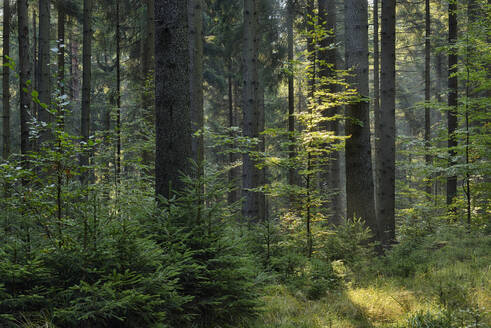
[219, 276]
[322, 279]
[348, 242]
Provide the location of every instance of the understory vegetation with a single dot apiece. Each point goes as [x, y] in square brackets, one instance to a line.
[191, 262]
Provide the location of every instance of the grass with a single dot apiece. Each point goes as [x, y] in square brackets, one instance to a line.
[452, 278]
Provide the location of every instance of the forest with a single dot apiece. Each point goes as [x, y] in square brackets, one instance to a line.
[245, 164]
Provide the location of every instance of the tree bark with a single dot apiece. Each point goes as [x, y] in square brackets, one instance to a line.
[61, 61]
[359, 176]
[291, 96]
[35, 64]
[5, 81]
[233, 174]
[452, 99]
[428, 159]
[118, 95]
[172, 96]
[328, 58]
[250, 173]
[24, 75]
[385, 155]
[376, 90]
[74, 69]
[44, 67]
[86, 83]
[148, 77]
[195, 21]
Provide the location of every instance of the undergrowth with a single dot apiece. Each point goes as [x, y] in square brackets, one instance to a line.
[430, 279]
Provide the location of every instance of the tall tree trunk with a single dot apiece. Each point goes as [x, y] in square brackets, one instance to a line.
[195, 21]
[74, 69]
[452, 99]
[386, 155]
[309, 17]
[250, 173]
[61, 113]
[5, 81]
[233, 174]
[24, 75]
[86, 83]
[148, 77]
[172, 98]
[328, 58]
[262, 148]
[376, 90]
[428, 159]
[118, 95]
[61, 61]
[291, 96]
[44, 65]
[359, 176]
[472, 18]
[35, 64]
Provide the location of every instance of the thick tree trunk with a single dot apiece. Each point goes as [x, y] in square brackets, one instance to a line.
[428, 159]
[328, 56]
[86, 82]
[452, 99]
[195, 20]
[24, 75]
[386, 154]
[44, 67]
[148, 77]
[376, 90]
[172, 98]
[250, 173]
[74, 69]
[5, 81]
[359, 176]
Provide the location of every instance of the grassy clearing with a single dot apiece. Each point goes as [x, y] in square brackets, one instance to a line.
[449, 285]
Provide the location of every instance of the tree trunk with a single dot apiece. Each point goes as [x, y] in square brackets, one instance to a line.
[24, 75]
[172, 98]
[428, 159]
[311, 47]
[328, 58]
[195, 19]
[452, 99]
[61, 61]
[472, 18]
[262, 148]
[35, 64]
[385, 155]
[359, 176]
[44, 67]
[86, 83]
[118, 95]
[5, 81]
[376, 90]
[148, 77]
[250, 174]
[291, 97]
[233, 195]
[74, 70]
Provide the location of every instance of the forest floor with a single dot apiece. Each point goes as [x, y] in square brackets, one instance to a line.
[442, 281]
